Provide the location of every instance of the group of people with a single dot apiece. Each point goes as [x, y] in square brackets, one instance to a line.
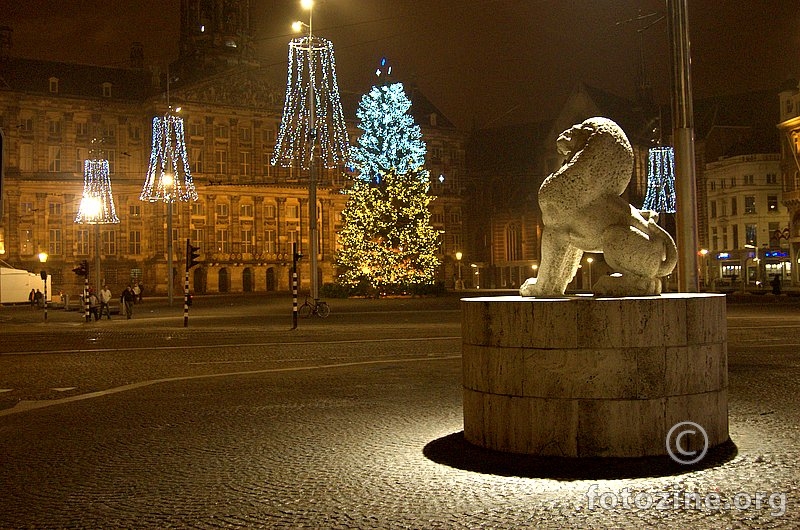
[36, 298]
[99, 303]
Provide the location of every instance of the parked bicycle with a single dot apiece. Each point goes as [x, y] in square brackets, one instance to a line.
[314, 307]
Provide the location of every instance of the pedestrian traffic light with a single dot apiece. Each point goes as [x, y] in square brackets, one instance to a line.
[297, 256]
[82, 269]
[192, 255]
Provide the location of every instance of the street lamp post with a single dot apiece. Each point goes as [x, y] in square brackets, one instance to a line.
[704, 272]
[477, 274]
[308, 5]
[43, 274]
[459, 283]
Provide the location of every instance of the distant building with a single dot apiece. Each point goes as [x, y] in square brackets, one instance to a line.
[248, 213]
[789, 128]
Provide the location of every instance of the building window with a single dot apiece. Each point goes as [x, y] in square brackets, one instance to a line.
[735, 236]
[54, 159]
[26, 242]
[81, 155]
[725, 237]
[245, 162]
[293, 211]
[750, 204]
[54, 208]
[223, 241]
[749, 180]
[713, 209]
[734, 206]
[221, 131]
[733, 182]
[711, 185]
[772, 178]
[198, 236]
[772, 203]
[54, 85]
[134, 133]
[108, 240]
[221, 161]
[246, 210]
[269, 211]
[714, 239]
[81, 129]
[25, 124]
[26, 157]
[135, 210]
[197, 160]
[222, 210]
[197, 209]
[134, 242]
[270, 242]
[246, 240]
[513, 243]
[106, 90]
[245, 135]
[751, 234]
[54, 127]
[196, 130]
[82, 242]
[268, 136]
[54, 243]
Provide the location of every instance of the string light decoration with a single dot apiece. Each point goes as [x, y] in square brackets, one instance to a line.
[391, 139]
[97, 203]
[168, 175]
[387, 242]
[660, 195]
[312, 70]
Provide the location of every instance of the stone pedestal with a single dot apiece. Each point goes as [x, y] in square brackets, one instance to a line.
[593, 377]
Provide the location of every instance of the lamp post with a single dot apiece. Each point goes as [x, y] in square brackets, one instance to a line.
[459, 283]
[477, 274]
[308, 5]
[43, 274]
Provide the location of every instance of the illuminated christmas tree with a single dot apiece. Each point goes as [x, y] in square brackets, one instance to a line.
[391, 140]
[387, 242]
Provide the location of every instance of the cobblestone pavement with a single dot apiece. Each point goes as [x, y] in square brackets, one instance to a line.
[352, 422]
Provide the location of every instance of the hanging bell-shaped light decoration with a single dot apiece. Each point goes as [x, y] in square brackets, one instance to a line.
[660, 195]
[97, 203]
[169, 178]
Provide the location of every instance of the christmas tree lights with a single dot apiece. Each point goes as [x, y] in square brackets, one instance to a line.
[391, 140]
[97, 204]
[387, 241]
[311, 70]
[660, 195]
[168, 178]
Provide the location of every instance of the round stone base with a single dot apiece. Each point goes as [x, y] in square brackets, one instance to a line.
[594, 377]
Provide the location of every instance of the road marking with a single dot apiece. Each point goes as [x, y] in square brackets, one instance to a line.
[3, 390]
[24, 406]
[64, 389]
[236, 345]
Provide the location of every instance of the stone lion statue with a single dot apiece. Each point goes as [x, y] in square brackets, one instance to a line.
[582, 211]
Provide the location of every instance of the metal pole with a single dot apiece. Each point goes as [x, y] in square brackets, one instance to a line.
[45, 297]
[312, 187]
[169, 251]
[86, 297]
[97, 257]
[683, 138]
[186, 292]
[294, 285]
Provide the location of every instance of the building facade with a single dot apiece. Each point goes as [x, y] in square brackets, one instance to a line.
[745, 222]
[789, 128]
[248, 213]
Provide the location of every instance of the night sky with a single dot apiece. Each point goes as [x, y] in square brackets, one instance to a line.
[483, 63]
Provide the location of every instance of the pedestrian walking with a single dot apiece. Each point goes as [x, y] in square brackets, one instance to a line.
[94, 305]
[141, 291]
[105, 299]
[32, 298]
[137, 293]
[127, 299]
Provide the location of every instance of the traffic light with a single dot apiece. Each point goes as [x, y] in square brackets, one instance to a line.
[82, 269]
[192, 255]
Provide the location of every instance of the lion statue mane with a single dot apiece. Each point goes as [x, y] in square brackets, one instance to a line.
[582, 211]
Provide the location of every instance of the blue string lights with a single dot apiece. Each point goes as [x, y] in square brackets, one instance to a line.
[311, 70]
[660, 195]
[168, 175]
